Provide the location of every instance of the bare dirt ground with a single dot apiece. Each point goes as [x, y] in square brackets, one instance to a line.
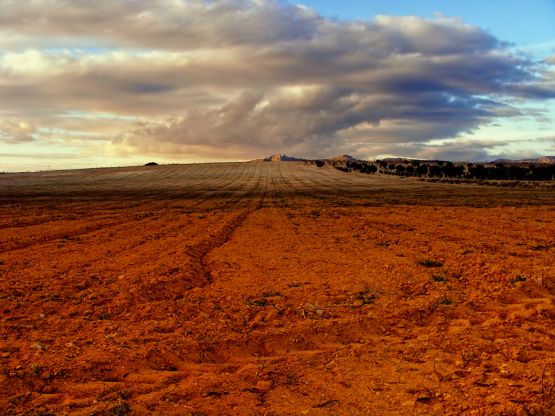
[273, 289]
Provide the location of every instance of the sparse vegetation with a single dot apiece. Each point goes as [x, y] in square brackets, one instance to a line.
[366, 296]
[430, 263]
[518, 279]
[443, 300]
[439, 277]
[262, 302]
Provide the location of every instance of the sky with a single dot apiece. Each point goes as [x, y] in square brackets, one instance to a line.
[114, 83]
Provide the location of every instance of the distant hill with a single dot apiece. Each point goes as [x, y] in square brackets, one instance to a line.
[549, 160]
[342, 158]
[544, 160]
[281, 158]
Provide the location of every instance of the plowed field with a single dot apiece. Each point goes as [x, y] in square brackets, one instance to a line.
[273, 289]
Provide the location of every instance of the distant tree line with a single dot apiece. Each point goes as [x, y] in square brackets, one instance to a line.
[362, 167]
[446, 169]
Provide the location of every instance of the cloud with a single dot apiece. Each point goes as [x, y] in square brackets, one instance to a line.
[14, 131]
[240, 78]
[161, 24]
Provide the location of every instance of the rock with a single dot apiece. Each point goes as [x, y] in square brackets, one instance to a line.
[264, 385]
[257, 321]
[271, 316]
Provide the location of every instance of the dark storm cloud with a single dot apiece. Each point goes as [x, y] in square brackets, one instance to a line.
[247, 77]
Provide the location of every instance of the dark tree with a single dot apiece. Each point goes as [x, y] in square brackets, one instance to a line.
[435, 171]
[422, 170]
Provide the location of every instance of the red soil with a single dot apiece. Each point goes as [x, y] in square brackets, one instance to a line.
[277, 291]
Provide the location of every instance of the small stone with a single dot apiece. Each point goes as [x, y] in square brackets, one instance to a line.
[5, 355]
[42, 315]
[70, 345]
[49, 390]
[319, 312]
[257, 321]
[45, 375]
[37, 346]
[271, 315]
[264, 385]
[88, 312]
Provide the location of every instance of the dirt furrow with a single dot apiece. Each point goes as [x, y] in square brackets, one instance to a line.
[199, 253]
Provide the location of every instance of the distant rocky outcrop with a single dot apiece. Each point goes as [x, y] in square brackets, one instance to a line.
[548, 160]
[282, 158]
[151, 164]
[342, 158]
